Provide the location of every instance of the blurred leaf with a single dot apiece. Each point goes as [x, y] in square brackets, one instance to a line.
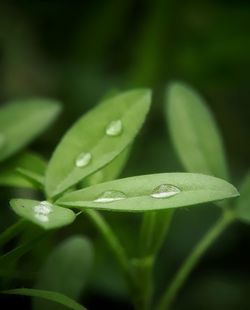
[33, 176]
[194, 132]
[8, 171]
[52, 296]
[88, 136]
[66, 270]
[243, 203]
[43, 214]
[24, 120]
[134, 193]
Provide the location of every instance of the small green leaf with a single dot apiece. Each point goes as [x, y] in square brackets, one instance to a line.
[243, 203]
[91, 144]
[151, 192]
[22, 121]
[44, 214]
[52, 296]
[194, 132]
[66, 270]
[27, 161]
[33, 176]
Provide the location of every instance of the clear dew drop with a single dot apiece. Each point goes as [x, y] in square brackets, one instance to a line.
[165, 191]
[110, 196]
[44, 208]
[83, 160]
[114, 128]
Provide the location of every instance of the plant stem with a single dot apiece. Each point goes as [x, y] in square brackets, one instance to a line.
[112, 241]
[11, 232]
[193, 259]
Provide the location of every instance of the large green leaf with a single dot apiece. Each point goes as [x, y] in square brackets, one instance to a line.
[194, 132]
[134, 193]
[88, 136]
[44, 214]
[65, 271]
[243, 203]
[52, 296]
[9, 175]
[22, 121]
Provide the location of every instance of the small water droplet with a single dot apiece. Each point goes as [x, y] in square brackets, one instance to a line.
[44, 208]
[42, 217]
[110, 196]
[114, 128]
[165, 191]
[83, 160]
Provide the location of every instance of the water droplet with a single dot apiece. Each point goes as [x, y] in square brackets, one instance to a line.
[165, 191]
[83, 160]
[41, 217]
[114, 128]
[110, 196]
[44, 208]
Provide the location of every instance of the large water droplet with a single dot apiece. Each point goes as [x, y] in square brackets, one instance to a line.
[83, 160]
[165, 191]
[44, 208]
[110, 196]
[114, 128]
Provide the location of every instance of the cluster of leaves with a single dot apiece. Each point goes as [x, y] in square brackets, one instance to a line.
[68, 187]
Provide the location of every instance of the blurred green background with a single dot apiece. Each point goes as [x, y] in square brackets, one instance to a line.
[78, 52]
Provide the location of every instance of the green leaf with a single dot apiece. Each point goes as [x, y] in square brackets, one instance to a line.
[189, 189]
[66, 270]
[194, 132]
[22, 121]
[109, 172]
[44, 214]
[52, 296]
[33, 176]
[27, 161]
[88, 136]
[243, 203]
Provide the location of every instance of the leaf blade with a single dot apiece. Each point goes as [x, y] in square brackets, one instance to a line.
[130, 107]
[197, 141]
[66, 270]
[243, 203]
[194, 189]
[52, 296]
[18, 118]
[57, 216]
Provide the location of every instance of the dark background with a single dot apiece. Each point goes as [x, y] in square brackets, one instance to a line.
[77, 52]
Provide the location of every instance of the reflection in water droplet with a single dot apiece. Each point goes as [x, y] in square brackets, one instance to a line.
[110, 196]
[165, 191]
[41, 217]
[83, 160]
[44, 208]
[114, 128]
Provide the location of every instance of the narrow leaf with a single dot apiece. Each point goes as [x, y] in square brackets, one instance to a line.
[22, 121]
[194, 132]
[9, 175]
[91, 144]
[44, 214]
[243, 203]
[151, 192]
[53, 296]
[33, 176]
[65, 271]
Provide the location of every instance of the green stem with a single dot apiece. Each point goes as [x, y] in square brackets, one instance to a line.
[11, 232]
[193, 259]
[112, 241]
